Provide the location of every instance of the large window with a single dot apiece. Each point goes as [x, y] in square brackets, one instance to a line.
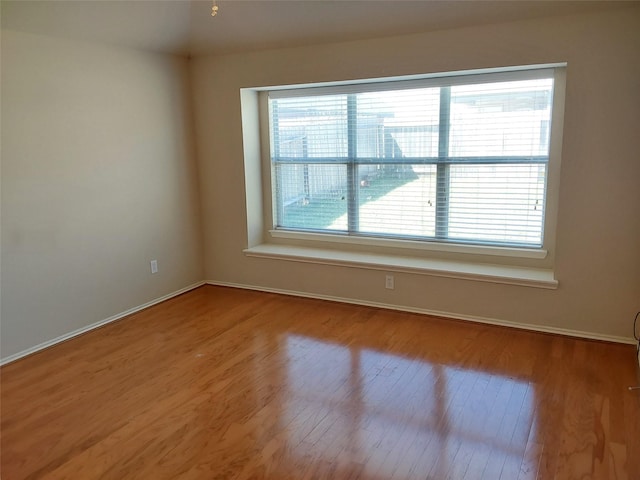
[454, 159]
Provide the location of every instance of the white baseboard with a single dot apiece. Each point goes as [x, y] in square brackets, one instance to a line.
[80, 331]
[456, 316]
[489, 321]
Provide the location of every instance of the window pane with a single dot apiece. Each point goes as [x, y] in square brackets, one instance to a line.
[309, 127]
[397, 199]
[497, 203]
[311, 196]
[501, 119]
[398, 124]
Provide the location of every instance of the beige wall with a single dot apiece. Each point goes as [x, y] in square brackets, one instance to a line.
[598, 236]
[98, 178]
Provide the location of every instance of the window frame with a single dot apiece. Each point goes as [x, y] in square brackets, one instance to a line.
[509, 255]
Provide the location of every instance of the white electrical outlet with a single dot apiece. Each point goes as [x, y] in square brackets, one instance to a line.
[389, 282]
[154, 266]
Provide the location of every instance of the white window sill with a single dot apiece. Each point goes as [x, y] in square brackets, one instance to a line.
[537, 253]
[504, 274]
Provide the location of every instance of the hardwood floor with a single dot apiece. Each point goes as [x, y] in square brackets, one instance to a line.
[222, 383]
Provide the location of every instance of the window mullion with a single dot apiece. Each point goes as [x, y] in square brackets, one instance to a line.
[442, 175]
[353, 214]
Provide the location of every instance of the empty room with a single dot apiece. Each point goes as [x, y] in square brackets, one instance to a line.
[305, 239]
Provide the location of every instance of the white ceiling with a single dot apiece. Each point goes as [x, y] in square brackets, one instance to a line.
[186, 27]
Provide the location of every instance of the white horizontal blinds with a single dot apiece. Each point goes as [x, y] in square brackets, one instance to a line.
[311, 196]
[504, 127]
[462, 162]
[497, 203]
[310, 146]
[309, 127]
[501, 119]
[398, 124]
[396, 197]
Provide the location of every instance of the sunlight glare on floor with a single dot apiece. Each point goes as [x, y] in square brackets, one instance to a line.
[377, 409]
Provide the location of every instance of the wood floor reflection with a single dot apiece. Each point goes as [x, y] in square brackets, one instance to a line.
[223, 383]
